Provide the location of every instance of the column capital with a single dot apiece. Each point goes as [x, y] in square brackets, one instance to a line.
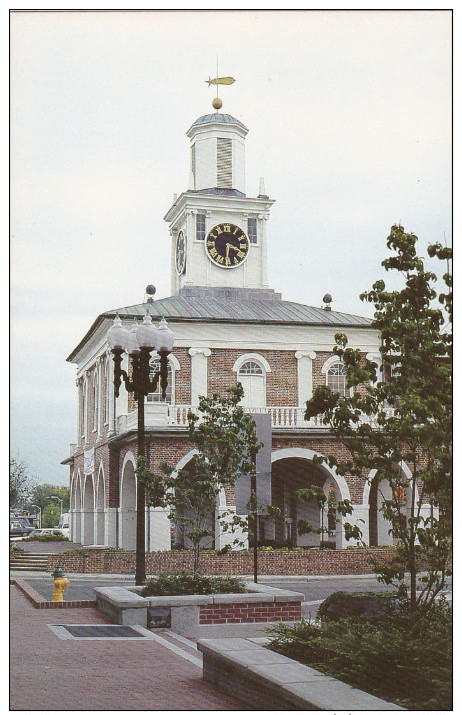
[305, 353]
[200, 351]
[374, 357]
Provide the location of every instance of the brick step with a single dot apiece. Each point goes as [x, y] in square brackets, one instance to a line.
[28, 567]
[29, 562]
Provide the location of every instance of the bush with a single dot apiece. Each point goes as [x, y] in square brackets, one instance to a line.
[402, 657]
[193, 584]
[47, 537]
[343, 604]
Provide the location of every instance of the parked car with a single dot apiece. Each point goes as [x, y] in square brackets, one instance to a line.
[20, 528]
[44, 532]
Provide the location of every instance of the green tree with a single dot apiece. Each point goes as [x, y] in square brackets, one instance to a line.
[50, 516]
[405, 417]
[41, 495]
[226, 443]
[21, 483]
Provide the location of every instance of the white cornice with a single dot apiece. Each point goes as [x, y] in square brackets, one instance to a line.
[189, 201]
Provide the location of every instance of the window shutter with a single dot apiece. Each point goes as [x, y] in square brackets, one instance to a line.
[224, 163]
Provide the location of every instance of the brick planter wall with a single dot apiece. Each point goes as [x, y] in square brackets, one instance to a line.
[270, 563]
[250, 613]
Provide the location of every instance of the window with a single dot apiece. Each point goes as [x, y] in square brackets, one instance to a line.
[95, 400]
[336, 378]
[200, 227]
[157, 395]
[252, 229]
[251, 368]
[224, 163]
[253, 380]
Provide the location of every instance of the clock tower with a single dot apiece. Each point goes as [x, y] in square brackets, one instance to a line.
[218, 233]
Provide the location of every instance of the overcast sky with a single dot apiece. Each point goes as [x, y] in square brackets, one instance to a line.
[349, 117]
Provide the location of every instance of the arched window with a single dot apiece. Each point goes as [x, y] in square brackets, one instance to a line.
[336, 378]
[157, 395]
[251, 368]
[252, 377]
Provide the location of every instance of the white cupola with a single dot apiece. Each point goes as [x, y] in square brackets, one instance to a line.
[218, 152]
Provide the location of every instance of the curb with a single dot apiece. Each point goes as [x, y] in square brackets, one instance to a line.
[39, 602]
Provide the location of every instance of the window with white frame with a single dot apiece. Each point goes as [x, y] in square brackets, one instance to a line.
[156, 396]
[337, 378]
[252, 229]
[250, 368]
[95, 399]
[200, 227]
[252, 377]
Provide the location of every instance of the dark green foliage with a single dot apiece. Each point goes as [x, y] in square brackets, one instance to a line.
[403, 416]
[47, 537]
[348, 604]
[192, 583]
[404, 657]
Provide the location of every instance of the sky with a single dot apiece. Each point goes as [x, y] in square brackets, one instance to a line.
[349, 117]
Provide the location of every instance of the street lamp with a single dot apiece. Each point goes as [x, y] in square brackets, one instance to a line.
[138, 343]
[39, 513]
[60, 504]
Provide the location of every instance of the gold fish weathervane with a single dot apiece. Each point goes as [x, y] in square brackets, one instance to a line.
[217, 102]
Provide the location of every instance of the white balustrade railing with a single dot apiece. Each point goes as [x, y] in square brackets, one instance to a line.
[164, 415]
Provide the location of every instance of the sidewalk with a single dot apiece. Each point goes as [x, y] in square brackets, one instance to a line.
[52, 674]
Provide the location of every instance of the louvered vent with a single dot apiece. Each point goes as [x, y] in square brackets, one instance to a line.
[224, 164]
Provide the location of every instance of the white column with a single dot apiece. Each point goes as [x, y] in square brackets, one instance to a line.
[78, 382]
[190, 235]
[85, 409]
[159, 529]
[198, 373]
[359, 517]
[111, 398]
[100, 396]
[110, 527]
[304, 375]
[223, 538]
[262, 241]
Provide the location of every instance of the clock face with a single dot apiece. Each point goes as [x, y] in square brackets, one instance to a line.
[180, 255]
[227, 245]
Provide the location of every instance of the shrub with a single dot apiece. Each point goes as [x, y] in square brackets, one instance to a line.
[47, 537]
[192, 583]
[343, 604]
[402, 657]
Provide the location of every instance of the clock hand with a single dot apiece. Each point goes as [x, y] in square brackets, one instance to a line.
[230, 245]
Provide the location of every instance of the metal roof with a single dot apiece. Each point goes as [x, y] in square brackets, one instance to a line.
[217, 118]
[230, 305]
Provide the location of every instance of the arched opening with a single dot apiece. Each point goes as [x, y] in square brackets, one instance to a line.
[291, 472]
[128, 508]
[376, 492]
[99, 512]
[88, 511]
[195, 512]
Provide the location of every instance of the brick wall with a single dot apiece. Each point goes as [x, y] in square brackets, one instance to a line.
[250, 612]
[270, 563]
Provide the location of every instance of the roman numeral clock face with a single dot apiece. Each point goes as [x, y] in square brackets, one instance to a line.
[227, 245]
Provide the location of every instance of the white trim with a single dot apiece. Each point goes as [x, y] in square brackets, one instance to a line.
[370, 477]
[308, 454]
[251, 356]
[332, 360]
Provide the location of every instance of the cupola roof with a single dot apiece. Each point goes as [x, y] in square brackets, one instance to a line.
[217, 118]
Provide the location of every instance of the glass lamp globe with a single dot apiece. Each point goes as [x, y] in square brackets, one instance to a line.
[117, 335]
[165, 337]
[146, 333]
[132, 346]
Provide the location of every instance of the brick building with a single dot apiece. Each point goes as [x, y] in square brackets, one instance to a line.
[229, 325]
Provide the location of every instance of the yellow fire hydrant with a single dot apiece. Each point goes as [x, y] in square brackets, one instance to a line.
[60, 583]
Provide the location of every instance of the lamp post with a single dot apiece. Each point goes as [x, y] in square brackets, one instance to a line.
[138, 343]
